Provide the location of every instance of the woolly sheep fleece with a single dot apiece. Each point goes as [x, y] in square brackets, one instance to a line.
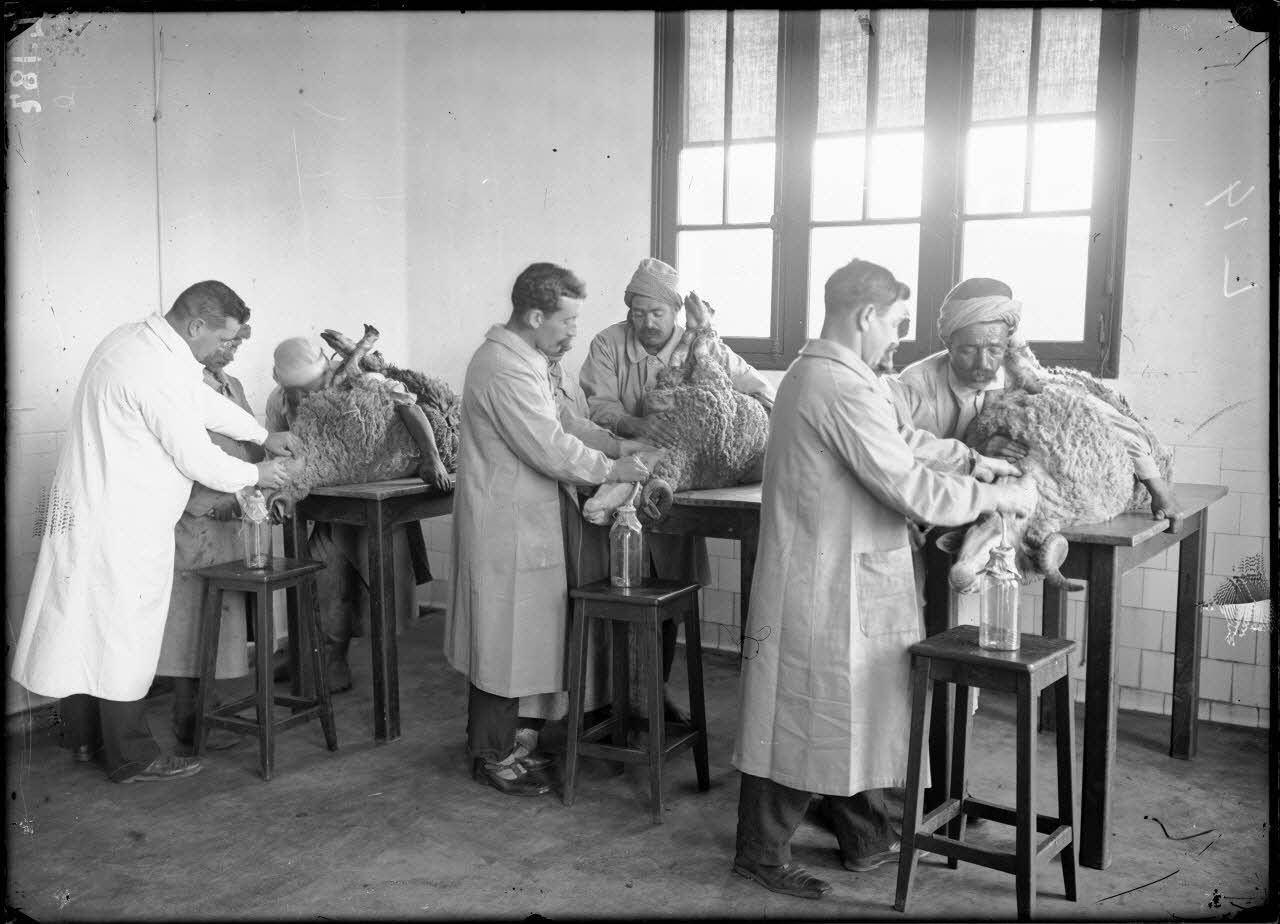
[719, 434]
[1083, 473]
[351, 434]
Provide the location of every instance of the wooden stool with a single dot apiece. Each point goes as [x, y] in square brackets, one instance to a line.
[282, 574]
[648, 608]
[953, 656]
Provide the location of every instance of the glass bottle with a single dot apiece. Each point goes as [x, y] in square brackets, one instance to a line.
[255, 528]
[998, 621]
[626, 545]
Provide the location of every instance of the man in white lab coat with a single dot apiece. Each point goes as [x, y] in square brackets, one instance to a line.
[95, 614]
[835, 605]
[505, 628]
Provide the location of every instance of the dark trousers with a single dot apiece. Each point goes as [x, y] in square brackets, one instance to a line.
[492, 722]
[769, 813]
[116, 731]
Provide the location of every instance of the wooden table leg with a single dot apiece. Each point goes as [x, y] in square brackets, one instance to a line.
[938, 617]
[1186, 649]
[747, 554]
[1100, 702]
[382, 624]
[1053, 625]
[298, 599]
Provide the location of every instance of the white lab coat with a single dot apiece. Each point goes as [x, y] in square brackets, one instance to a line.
[825, 688]
[505, 628]
[96, 611]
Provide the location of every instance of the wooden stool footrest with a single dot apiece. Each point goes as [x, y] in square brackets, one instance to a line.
[635, 755]
[947, 847]
[1045, 824]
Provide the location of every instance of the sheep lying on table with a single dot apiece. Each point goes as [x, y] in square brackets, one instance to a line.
[1083, 472]
[351, 430]
[716, 435]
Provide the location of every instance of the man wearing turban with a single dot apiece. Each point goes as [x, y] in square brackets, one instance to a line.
[944, 392]
[621, 367]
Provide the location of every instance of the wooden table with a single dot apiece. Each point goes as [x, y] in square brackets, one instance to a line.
[378, 507]
[1101, 554]
[720, 513]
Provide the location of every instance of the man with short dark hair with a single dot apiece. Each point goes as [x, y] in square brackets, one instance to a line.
[138, 439]
[506, 624]
[836, 599]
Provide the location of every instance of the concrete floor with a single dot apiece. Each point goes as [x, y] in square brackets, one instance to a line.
[401, 831]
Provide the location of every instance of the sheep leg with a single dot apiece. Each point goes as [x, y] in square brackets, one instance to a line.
[431, 470]
[351, 365]
[341, 343]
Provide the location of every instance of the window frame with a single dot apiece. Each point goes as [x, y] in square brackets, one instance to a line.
[947, 103]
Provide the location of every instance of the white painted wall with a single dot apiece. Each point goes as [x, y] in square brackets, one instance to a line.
[330, 168]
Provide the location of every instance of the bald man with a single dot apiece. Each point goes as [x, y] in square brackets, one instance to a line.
[301, 367]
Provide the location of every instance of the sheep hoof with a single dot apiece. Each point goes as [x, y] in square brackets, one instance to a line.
[655, 502]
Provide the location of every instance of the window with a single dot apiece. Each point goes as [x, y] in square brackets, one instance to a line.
[941, 144]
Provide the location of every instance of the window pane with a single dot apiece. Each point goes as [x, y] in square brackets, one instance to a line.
[837, 178]
[701, 186]
[1046, 263]
[995, 167]
[1001, 63]
[734, 270]
[842, 70]
[895, 247]
[897, 172]
[902, 37]
[755, 73]
[1062, 165]
[704, 103]
[751, 182]
[1067, 80]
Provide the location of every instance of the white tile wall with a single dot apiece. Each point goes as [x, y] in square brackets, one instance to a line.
[1250, 685]
[1215, 680]
[1255, 515]
[1157, 671]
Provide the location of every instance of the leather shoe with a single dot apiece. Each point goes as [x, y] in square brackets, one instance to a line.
[787, 879]
[523, 783]
[533, 760]
[82, 754]
[875, 860]
[166, 767]
[867, 863]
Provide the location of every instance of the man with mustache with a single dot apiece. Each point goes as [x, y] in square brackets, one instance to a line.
[507, 619]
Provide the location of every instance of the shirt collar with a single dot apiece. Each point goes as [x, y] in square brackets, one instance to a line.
[170, 337]
[518, 345]
[636, 352]
[838, 352]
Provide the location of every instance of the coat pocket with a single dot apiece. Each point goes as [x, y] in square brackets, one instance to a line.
[886, 592]
[539, 540]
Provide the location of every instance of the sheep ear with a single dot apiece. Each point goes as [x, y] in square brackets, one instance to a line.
[951, 541]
